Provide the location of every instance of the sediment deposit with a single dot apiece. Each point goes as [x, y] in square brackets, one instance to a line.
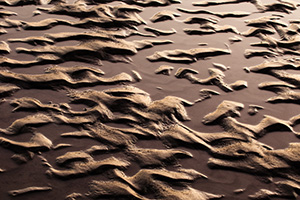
[154, 99]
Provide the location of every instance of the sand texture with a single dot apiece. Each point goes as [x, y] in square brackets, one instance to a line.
[149, 99]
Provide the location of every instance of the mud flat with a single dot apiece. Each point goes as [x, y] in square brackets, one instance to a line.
[154, 99]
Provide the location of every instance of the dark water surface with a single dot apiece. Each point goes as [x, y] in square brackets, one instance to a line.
[223, 150]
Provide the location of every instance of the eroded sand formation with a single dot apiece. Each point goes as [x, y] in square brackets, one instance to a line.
[287, 84]
[216, 78]
[187, 56]
[92, 51]
[134, 127]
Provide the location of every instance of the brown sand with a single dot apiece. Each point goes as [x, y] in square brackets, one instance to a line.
[153, 99]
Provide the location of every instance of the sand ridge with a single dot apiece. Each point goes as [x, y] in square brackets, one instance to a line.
[82, 119]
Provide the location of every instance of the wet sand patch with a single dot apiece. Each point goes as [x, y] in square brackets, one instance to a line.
[96, 103]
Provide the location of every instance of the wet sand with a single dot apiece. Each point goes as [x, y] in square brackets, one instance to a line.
[155, 99]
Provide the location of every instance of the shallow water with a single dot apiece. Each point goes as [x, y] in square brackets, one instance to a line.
[146, 134]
